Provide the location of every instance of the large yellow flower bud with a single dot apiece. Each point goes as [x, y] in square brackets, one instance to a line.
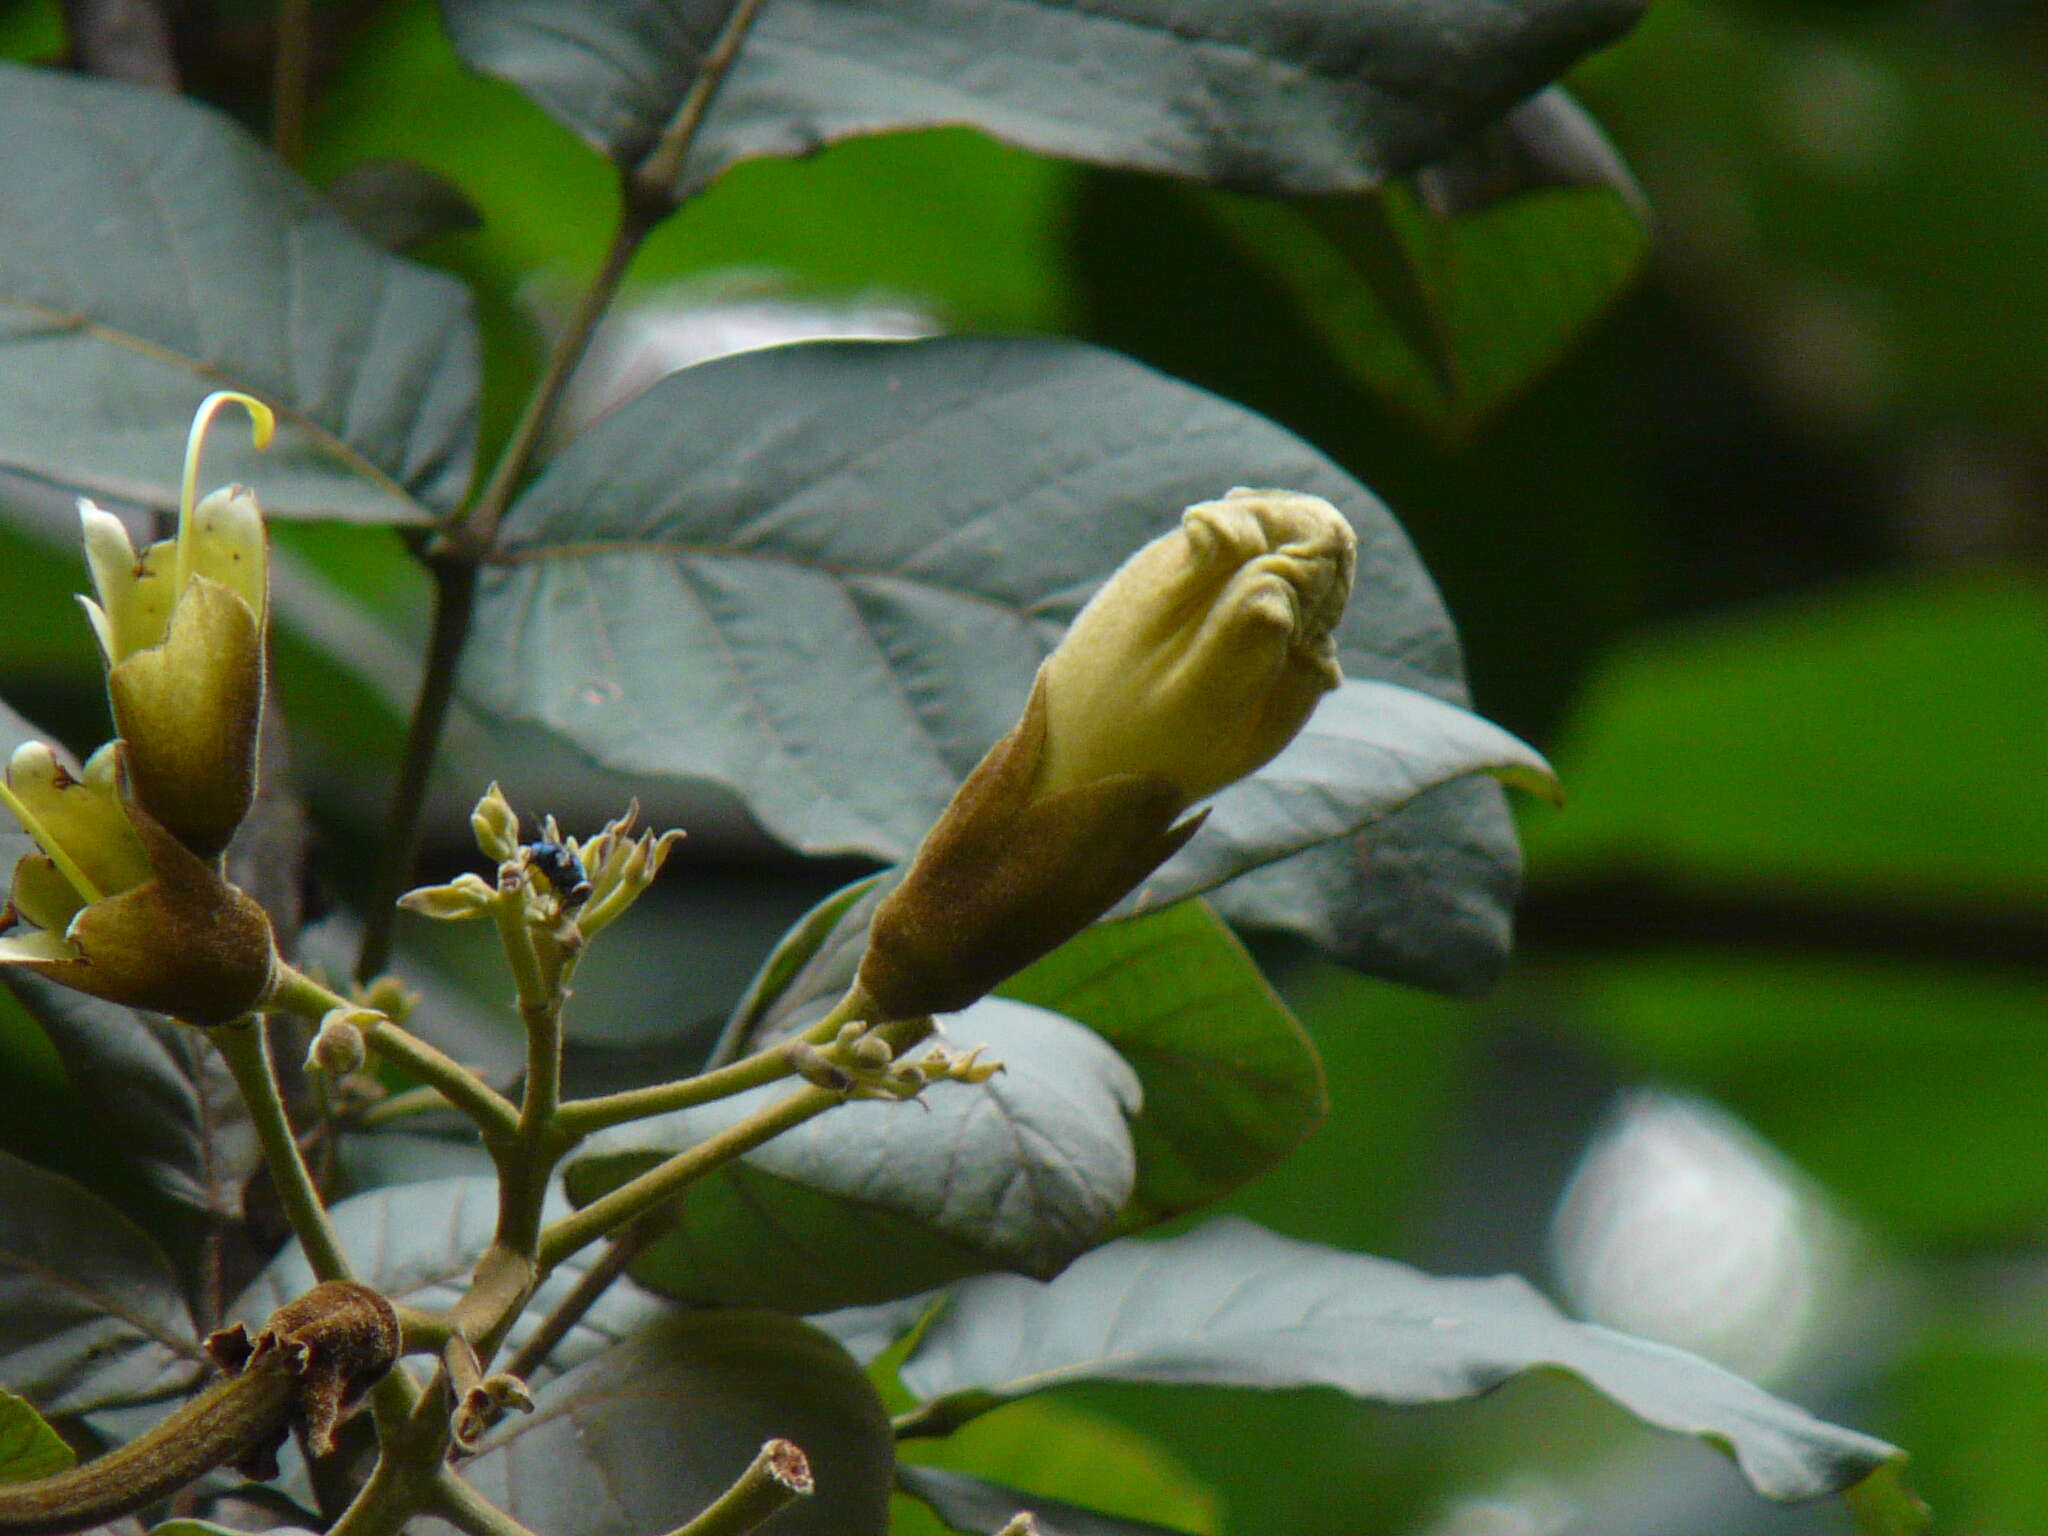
[1196, 663]
[1204, 654]
[181, 626]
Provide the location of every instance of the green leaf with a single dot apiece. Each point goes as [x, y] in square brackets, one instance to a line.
[158, 1089]
[1425, 895]
[91, 1313]
[418, 1243]
[208, 1528]
[1884, 1506]
[822, 577]
[1231, 1082]
[1447, 315]
[644, 1436]
[1295, 96]
[150, 252]
[975, 1505]
[875, 1200]
[29, 1448]
[1234, 1305]
[1099, 1468]
[1694, 751]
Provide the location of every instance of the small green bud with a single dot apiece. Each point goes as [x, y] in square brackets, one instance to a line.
[872, 1052]
[338, 1047]
[496, 826]
[462, 898]
[392, 998]
[816, 1068]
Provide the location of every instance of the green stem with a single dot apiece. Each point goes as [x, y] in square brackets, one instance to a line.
[454, 607]
[583, 1295]
[490, 1109]
[455, 1501]
[581, 1117]
[471, 539]
[402, 1105]
[664, 1182]
[653, 179]
[659, 1184]
[495, 1117]
[777, 1478]
[247, 1050]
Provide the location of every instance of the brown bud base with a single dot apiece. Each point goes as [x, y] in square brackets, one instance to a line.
[1003, 878]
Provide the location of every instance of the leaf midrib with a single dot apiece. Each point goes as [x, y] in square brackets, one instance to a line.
[142, 346]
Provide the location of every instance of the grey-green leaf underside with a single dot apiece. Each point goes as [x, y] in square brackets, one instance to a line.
[876, 1200]
[646, 1435]
[1234, 1305]
[151, 252]
[91, 1313]
[1288, 96]
[823, 576]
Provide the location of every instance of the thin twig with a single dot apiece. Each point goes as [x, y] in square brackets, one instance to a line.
[583, 1295]
[455, 1501]
[777, 1478]
[247, 1050]
[646, 198]
[580, 1117]
[454, 606]
[662, 1183]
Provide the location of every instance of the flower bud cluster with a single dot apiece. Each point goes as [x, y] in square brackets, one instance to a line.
[861, 1064]
[124, 897]
[573, 888]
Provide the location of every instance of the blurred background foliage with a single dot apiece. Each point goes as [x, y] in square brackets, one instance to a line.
[1742, 519]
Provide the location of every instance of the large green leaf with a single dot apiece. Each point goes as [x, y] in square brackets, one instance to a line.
[159, 1089]
[1449, 297]
[871, 1201]
[822, 577]
[151, 252]
[419, 1242]
[1060, 1461]
[1231, 1082]
[644, 1436]
[1292, 96]
[1234, 1305]
[91, 1314]
[29, 1448]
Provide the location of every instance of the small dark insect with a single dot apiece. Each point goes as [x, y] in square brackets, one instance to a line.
[563, 870]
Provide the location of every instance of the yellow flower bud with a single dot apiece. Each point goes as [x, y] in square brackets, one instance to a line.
[1206, 652]
[181, 627]
[1196, 663]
